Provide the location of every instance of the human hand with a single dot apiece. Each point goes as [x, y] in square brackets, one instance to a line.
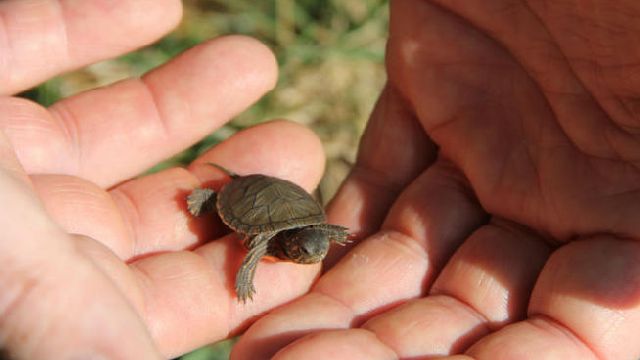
[515, 238]
[95, 264]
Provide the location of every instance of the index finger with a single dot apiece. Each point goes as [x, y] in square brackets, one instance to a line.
[112, 133]
[383, 168]
[42, 38]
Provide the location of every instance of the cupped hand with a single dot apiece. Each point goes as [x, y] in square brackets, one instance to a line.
[96, 264]
[497, 193]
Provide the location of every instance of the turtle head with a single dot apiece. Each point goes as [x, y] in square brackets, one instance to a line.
[306, 245]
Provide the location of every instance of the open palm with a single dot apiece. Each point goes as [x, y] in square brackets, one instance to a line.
[496, 192]
[98, 265]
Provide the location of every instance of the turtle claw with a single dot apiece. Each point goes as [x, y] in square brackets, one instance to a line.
[338, 234]
[342, 240]
[245, 292]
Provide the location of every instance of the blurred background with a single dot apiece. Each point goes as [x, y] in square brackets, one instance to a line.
[331, 61]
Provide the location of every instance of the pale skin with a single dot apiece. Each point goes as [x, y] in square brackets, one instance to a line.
[139, 273]
[532, 106]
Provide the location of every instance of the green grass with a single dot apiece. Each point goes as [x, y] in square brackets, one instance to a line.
[218, 351]
[330, 56]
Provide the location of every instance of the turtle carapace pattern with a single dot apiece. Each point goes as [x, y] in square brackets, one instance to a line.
[275, 217]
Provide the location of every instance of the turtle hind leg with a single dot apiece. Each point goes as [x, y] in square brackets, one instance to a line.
[201, 201]
[258, 247]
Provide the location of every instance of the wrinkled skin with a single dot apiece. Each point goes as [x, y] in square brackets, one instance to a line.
[532, 104]
[517, 236]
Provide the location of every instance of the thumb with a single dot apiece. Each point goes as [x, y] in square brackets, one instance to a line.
[54, 303]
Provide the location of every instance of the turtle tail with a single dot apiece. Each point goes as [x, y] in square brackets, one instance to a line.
[229, 173]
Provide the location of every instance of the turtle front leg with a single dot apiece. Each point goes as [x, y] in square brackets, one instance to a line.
[201, 201]
[258, 246]
[336, 233]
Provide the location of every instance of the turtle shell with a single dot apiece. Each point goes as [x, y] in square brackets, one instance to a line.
[255, 204]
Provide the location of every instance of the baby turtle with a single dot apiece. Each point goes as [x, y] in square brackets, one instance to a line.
[275, 218]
